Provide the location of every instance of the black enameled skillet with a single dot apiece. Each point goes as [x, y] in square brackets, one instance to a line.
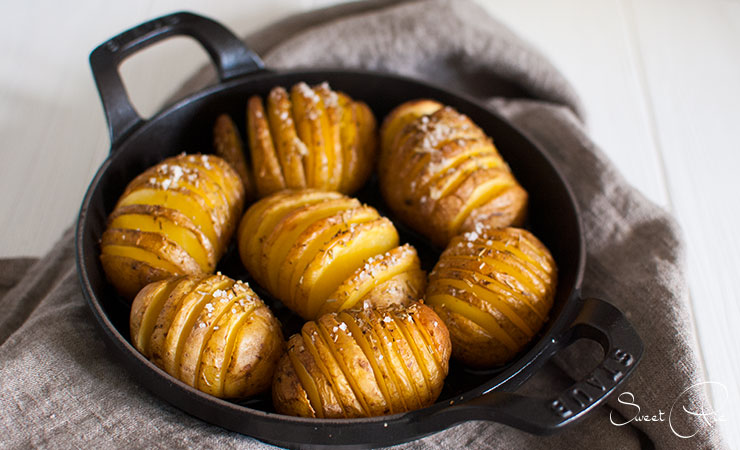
[137, 144]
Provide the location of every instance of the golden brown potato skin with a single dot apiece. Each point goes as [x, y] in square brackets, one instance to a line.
[175, 218]
[304, 137]
[322, 252]
[494, 289]
[211, 332]
[441, 174]
[229, 145]
[364, 363]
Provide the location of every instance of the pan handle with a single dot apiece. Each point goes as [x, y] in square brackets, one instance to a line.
[598, 321]
[228, 53]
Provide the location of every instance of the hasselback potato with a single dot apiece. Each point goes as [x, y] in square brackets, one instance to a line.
[321, 252]
[212, 333]
[493, 288]
[441, 174]
[175, 218]
[363, 363]
[310, 137]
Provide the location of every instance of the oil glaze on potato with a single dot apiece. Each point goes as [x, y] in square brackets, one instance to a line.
[441, 174]
[322, 252]
[493, 288]
[363, 363]
[305, 137]
[175, 218]
[212, 333]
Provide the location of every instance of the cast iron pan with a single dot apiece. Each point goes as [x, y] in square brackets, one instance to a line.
[137, 144]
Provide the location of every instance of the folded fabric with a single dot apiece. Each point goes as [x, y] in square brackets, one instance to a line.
[61, 388]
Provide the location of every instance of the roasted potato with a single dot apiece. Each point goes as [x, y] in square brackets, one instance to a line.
[322, 252]
[310, 137]
[211, 332]
[441, 174]
[175, 218]
[228, 145]
[493, 288]
[363, 363]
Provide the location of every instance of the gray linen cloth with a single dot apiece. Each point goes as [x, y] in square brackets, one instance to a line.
[60, 388]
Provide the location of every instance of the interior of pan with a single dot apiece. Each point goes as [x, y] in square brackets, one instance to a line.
[187, 127]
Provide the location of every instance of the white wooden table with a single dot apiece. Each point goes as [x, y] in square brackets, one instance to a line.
[660, 80]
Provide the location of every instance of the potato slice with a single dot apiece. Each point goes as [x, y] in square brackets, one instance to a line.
[312, 126]
[169, 254]
[401, 289]
[400, 372]
[379, 369]
[377, 354]
[222, 174]
[432, 377]
[398, 119]
[307, 247]
[267, 171]
[438, 184]
[339, 258]
[218, 303]
[185, 319]
[229, 146]
[289, 394]
[323, 397]
[352, 151]
[375, 271]
[307, 380]
[257, 349]
[353, 363]
[331, 131]
[145, 309]
[182, 200]
[368, 136]
[473, 271]
[290, 149]
[278, 243]
[246, 233]
[166, 316]
[488, 304]
[219, 348]
[348, 402]
[173, 224]
[262, 218]
[225, 176]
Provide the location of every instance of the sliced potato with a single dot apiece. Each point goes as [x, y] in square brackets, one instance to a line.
[309, 243]
[212, 333]
[228, 145]
[307, 137]
[303, 245]
[446, 175]
[382, 361]
[267, 171]
[341, 256]
[494, 289]
[175, 218]
[370, 285]
[291, 150]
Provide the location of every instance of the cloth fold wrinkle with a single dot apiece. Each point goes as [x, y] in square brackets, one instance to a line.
[74, 393]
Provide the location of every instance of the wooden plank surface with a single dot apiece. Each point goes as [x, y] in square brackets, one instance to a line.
[690, 53]
[660, 80]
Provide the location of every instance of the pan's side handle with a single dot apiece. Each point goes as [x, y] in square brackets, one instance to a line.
[227, 52]
[598, 321]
